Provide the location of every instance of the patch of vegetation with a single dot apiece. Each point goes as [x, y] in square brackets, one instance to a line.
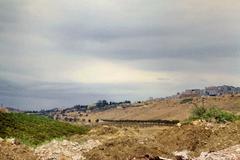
[213, 114]
[158, 121]
[33, 130]
[186, 100]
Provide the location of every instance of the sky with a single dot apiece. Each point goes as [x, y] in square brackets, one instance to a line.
[64, 52]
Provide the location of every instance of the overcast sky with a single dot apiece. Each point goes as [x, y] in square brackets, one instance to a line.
[57, 53]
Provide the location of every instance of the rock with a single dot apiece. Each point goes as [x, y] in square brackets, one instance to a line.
[1, 140]
[203, 155]
[196, 122]
[182, 155]
[65, 150]
[161, 158]
[231, 153]
[179, 124]
[148, 157]
[10, 140]
[223, 125]
[209, 125]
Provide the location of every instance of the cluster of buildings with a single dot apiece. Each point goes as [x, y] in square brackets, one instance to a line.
[209, 91]
[80, 112]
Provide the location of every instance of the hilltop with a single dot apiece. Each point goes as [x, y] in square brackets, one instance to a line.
[50, 139]
[170, 109]
[175, 107]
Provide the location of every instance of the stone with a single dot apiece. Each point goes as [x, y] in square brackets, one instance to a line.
[196, 122]
[162, 158]
[10, 140]
[179, 124]
[69, 150]
[231, 153]
[182, 155]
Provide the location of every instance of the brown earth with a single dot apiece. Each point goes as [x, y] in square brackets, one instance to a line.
[10, 151]
[64, 150]
[128, 142]
[3, 110]
[133, 142]
[172, 109]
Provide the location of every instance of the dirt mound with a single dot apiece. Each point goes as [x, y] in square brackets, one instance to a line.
[135, 143]
[112, 142]
[65, 150]
[9, 151]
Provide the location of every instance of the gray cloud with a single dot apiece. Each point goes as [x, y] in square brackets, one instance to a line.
[43, 42]
[195, 32]
[39, 95]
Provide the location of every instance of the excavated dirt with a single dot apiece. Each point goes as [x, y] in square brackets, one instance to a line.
[10, 151]
[65, 150]
[137, 143]
[127, 142]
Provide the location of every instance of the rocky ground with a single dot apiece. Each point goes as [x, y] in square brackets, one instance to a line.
[231, 153]
[140, 143]
[66, 150]
[199, 139]
[11, 150]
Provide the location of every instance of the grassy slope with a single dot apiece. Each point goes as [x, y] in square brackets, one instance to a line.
[34, 130]
[169, 109]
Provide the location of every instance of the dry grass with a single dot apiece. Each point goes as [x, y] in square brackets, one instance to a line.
[168, 109]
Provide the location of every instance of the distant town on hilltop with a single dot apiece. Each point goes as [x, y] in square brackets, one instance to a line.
[101, 105]
[208, 91]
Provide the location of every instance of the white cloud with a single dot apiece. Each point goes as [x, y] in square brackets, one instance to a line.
[100, 71]
[78, 69]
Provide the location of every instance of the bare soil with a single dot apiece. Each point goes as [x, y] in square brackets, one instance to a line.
[128, 142]
[137, 143]
[10, 151]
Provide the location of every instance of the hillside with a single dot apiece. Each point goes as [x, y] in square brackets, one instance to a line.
[170, 109]
[124, 142]
[34, 130]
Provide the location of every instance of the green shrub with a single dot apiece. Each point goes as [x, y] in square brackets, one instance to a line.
[34, 130]
[186, 100]
[213, 114]
[198, 112]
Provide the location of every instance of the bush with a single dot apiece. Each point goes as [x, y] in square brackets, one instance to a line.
[213, 114]
[198, 112]
[186, 100]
